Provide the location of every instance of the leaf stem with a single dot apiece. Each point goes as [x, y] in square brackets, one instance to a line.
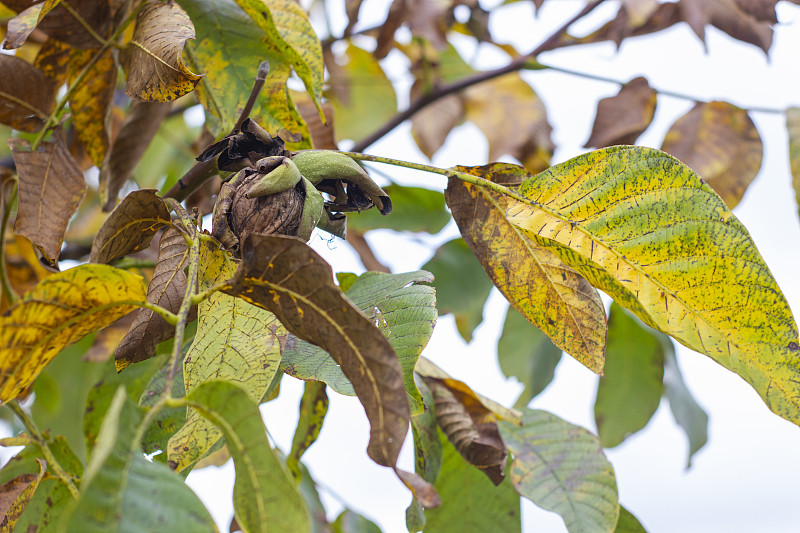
[167, 315]
[52, 463]
[200, 296]
[8, 290]
[516, 64]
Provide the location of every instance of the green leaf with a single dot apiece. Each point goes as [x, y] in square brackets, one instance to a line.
[170, 419]
[461, 285]
[414, 209]
[313, 408]
[402, 308]
[229, 47]
[236, 342]
[427, 452]
[265, 497]
[470, 502]
[308, 489]
[645, 229]
[561, 467]
[123, 491]
[688, 414]
[628, 523]
[629, 393]
[527, 354]
[361, 94]
[350, 521]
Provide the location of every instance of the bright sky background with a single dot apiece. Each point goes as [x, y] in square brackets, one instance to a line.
[747, 477]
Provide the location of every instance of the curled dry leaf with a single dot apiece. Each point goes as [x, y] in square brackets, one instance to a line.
[550, 294]
[283, 275]
[21, 26]
[469, 426]
[156, 72]
[167, 289]
[51, 187]
[70, 25]
[622, 118]
[720, 142]
[138, 129]
[27, 96]
[130, 227]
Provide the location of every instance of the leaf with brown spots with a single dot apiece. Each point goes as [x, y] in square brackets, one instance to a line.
[167, 289]
[85, 25]
[27, 96]
[156, 72]
[720, 142]
[51, 187]
[130, 227]
[470, 427]
[551, 295]
[15, 495]
[21, 26]
[138, 129]
[53, 60]
[621, 119]
[283, 275]
[90, 103]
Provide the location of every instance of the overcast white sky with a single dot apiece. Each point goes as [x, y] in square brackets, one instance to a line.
[747, 478]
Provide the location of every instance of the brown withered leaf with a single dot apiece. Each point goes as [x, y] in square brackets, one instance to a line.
[720, 142]
[322, 135]
[628, 23]
[156, 72]
[90, 103]
[470, 427]
[622, 118]
[27, 96]
[734, 17]
[60, 23]
[352, 8]
[138, 129]
[51, 187]
[21, 26]
[514, 120]
[546, 291]
[285, 276]
[394, 19]
[16, 493]
[130, 227]
[431, 125]
[53, 60]
[167, 289]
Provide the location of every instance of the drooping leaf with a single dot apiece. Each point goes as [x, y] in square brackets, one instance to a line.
[90, 103]
[402, 307]
[414, 209]
[123, 491]
[645, 229]
[130, 227]
[229, 48]
[21, 26]
[350, 521]
[357, 106]
[514, 120]
[793, 129]
[630, 391]
[470, 502]
[688, 414]
[313, 408]
[540, 285]
[15, 495]
[288, 28]
[57, 312]
[526, 353]
[461, 285]
[236, 342]
[283, 275]
[628, 523]
[265, 497]
[621, 119]
[719, 142]
[70, 25]
[469, 426]
[137, 131]
[51, 187]
[156, 72]
[167, 289]
[731, 16]
[561, 467]
[427, 452]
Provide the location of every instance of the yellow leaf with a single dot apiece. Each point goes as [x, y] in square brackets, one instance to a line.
[641, 226]
[57, 312]
[90, 103]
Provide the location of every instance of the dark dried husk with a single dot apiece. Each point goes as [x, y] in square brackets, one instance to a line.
[271, 214]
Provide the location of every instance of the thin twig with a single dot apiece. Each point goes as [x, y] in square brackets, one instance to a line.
[445, 90]
[52, 463]
[361, 246]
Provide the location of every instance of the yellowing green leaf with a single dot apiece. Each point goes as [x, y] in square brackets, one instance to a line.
[15, 495]
[235, 341]
[156, 72]
[313, 408]
[645, 229]
[90, 103]
[561, 467]
[628, 523]
[720, 142]
[57, 312]
[229, 48]
[545, 290]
